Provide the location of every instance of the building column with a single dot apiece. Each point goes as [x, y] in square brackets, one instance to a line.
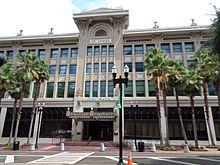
[73, 131]
[2, 119]
[37, 118]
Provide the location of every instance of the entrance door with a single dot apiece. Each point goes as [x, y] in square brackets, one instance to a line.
[98, 130]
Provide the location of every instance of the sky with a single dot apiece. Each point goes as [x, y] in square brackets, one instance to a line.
[36, 17]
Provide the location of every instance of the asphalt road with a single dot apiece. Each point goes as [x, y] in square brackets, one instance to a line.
[105, 158]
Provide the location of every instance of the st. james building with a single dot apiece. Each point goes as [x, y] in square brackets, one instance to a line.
[80, 100]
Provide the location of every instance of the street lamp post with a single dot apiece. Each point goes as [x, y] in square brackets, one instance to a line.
[135, 130]
[40, 108]
[120, 81]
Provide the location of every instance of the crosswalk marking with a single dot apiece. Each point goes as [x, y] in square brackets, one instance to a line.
[9, 159]
[64, 157]
[172, 161]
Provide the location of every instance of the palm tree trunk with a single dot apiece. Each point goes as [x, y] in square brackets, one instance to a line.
[194, 121]
[205, 93]
[166, 113]
[13, 120]
[180, 115]
[158, 111]
[33, 110]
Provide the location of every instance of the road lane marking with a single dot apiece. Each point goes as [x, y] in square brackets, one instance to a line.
[9, 159]
[116, 159]
[213, 160]
[172, 161]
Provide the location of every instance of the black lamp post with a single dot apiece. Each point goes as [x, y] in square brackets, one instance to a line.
[40, 108]
[120, 81]
[135, 131]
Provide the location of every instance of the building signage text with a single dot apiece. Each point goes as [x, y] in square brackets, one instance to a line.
[100, 41]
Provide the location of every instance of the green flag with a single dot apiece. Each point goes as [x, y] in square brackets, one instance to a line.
[119, 100]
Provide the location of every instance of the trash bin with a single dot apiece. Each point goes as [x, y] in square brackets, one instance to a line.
[141, 146]
[16, 145]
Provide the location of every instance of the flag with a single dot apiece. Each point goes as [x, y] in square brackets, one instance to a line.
[119, 100]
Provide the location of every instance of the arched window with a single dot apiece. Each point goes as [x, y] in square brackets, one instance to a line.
[100, 33]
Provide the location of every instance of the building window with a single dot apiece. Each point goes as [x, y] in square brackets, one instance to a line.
[110, 88]
[22, 52]
[50, 87]
[138, 49]
[54, 53]
[103, 88]
[87, 89]
[129, 64]
[95, 89]
[177, 47]
[104, 50]
[62, 69]
[103, 67]
[74, 52]
[149, 47]
[34, 90]
[96, 68]
[189, 47]
[52, 69]
[2, 54]
[127, 50]
[71, 89]
[41, 53]
[88, 68]
[205, 45]
[96, 50]
[111, 50]
[100, 32]
[140, 88]
[110, 65]
[139, 67]
[165, 47]
[72, 69]
[211, 89]
[89, 51]
[128, 92]
[60, 89]
[10, 55]
[151, 88]
[32, 51]
[64, 52]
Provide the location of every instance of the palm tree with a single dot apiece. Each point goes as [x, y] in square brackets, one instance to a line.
[25, 73]
[42, 74]
[191, 86]
[155, 64]
[206, 62]
[176, 69]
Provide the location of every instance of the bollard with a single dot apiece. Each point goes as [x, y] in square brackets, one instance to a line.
[186, 148]
[102, 147]
[61, 146]
[153, 147]
[133, 147]
[32, 147]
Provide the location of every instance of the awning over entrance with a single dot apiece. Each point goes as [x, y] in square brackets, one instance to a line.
[92, 116]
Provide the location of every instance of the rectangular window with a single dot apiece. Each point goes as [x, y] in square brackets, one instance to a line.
[129, 64]
[111, 50]
[110, 88]
[74, 52]
[127, 50]
[104, 50]
[41, 53]
[128, 92]
[110, 65]
[89, 51]
[50, 87]
[165, 47]
[149, 47]
[87, 89]
[22, 52]
[64, 52]
[32, 51]
[72, 69]
[140, 88]
[103, 67]
[103, 88]
[189, 47]
[96, 68]
[62, 69]
[211, 89]
[95, 89]
[138, 49]
[1, 54]
[27, 88]
[96, 50]
[88, 68]
[52, 69]
[60, 89]
[53, 53]
[177, 47]
[139, 67]
[10, 55]
[71, 89]
[151, 88]
[205, 45]
[34, 90]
